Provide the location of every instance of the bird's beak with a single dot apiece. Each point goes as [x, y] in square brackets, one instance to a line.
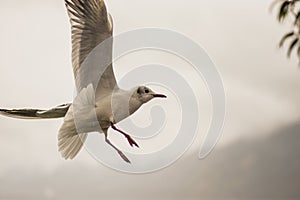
[159, 96]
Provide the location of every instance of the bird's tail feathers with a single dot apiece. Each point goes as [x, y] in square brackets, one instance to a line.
[80, 120]
[70, 141]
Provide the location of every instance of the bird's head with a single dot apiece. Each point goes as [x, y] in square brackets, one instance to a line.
[144, 94]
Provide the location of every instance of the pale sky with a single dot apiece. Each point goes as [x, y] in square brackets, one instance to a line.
[240, 36]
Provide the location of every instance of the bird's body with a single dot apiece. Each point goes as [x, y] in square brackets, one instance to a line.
[99, 105]
[112, 108]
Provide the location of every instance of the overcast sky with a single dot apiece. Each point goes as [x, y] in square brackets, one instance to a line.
[262, 86]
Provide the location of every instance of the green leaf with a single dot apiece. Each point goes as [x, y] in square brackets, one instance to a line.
[285, 37]
[274, 4]
[297, 19]
[293, 44]
[283, 11]
[298, 52]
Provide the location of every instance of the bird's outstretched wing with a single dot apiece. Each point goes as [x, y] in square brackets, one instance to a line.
[91, 26]
[57, 112]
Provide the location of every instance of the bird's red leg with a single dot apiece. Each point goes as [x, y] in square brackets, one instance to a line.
[130, 140]
[118, 150]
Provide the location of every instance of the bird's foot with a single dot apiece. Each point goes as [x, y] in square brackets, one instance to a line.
[131, 141]
[118, 150]
[124, 157]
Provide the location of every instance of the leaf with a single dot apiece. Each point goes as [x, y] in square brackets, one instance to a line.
[297, 19]
[273, 4]
[293, 44]
[283, 11]
[285, 37]
[298, 54]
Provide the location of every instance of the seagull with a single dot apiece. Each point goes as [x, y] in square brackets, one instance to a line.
[91, 25]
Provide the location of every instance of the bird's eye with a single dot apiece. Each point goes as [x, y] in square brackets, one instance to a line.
[147, 91]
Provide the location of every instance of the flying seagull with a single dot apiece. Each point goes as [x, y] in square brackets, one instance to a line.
[91, 25]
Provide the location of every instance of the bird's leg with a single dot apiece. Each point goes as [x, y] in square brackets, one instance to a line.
[118, 150]
[130, 140]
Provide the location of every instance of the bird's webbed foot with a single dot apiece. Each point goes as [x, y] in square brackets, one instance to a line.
[128, 137]
[118, 150]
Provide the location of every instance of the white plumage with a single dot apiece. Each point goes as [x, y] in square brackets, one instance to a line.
[100, 103]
